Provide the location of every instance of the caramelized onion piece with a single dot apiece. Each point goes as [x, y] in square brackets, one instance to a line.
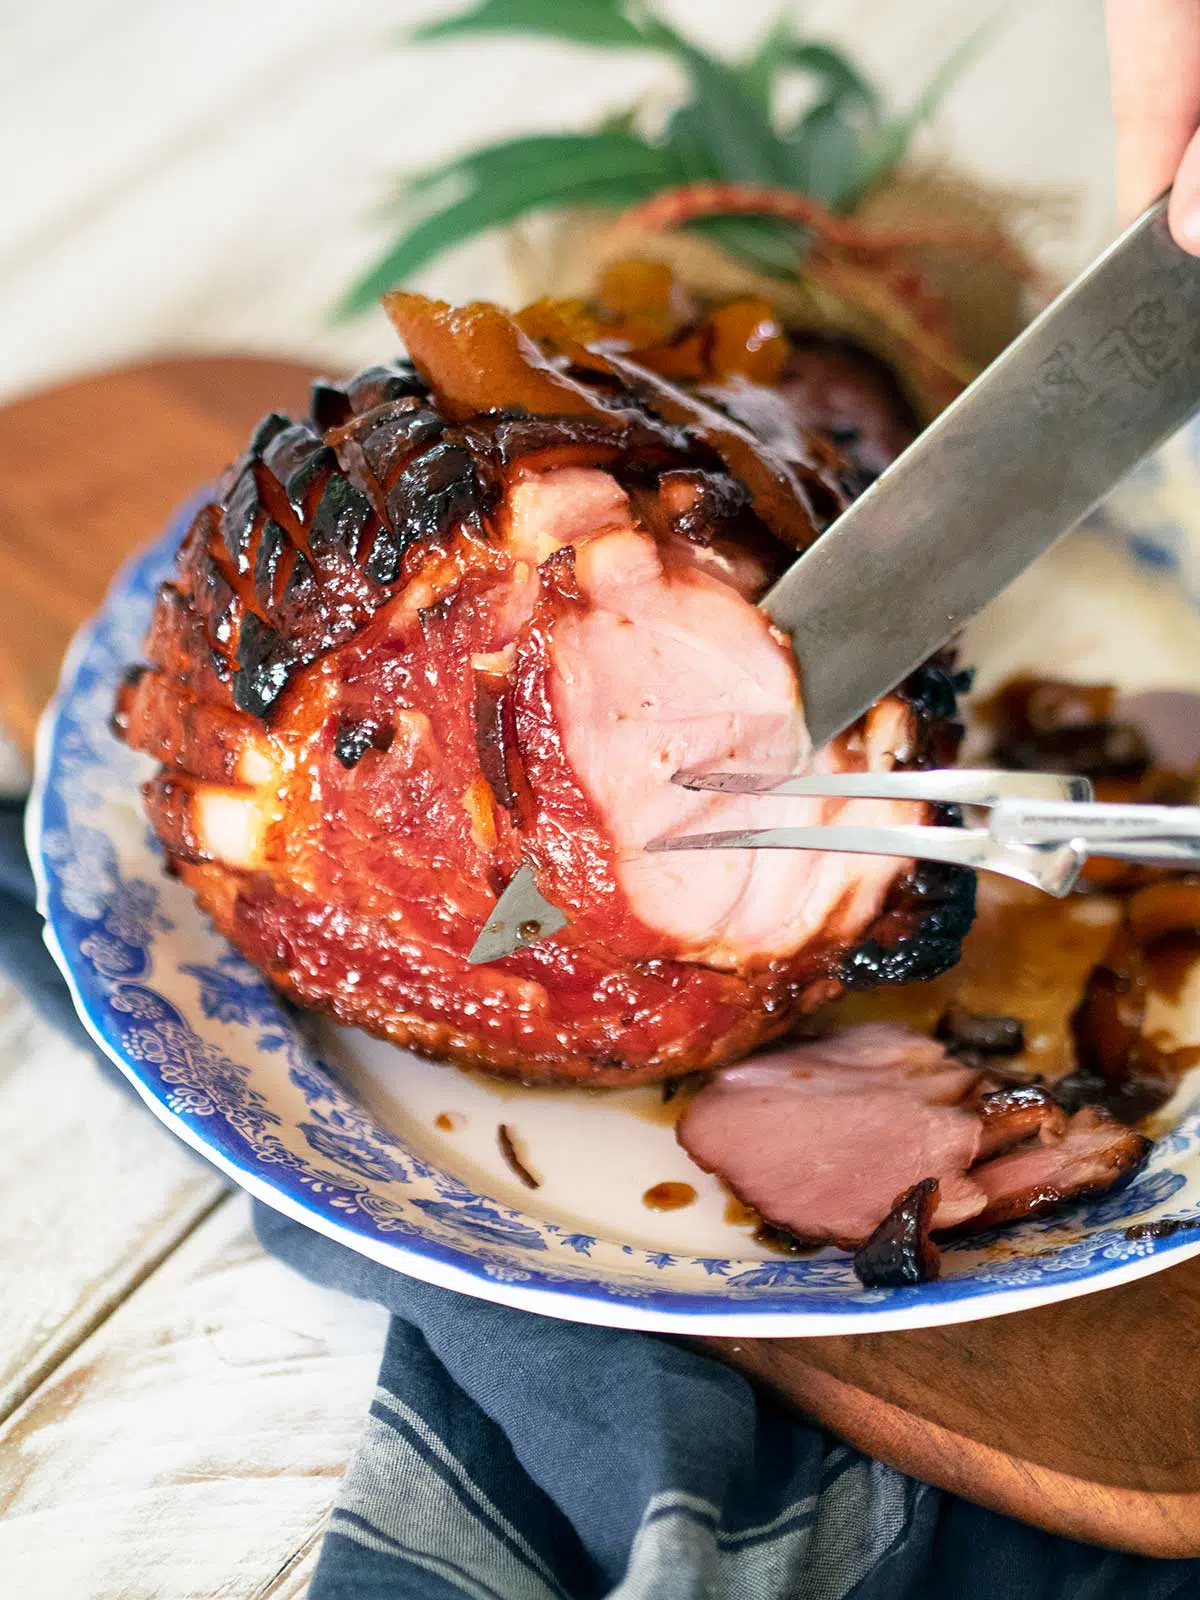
[1017, 1112]
[1164, 909]
[900, 1252]
[1048, 725]
[513, 1158]
[1116, 1064]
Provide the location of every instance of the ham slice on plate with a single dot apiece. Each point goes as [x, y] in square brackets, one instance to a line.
[829, 1138]
[821, 1138]
[1093, 1154]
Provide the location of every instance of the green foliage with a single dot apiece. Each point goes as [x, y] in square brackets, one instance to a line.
[502, 182]
[841, 79]
[825, 154]
[726, 129]
[603, 22]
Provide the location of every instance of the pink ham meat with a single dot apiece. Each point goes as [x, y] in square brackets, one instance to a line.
[638, 667]
[823, 1137]
[1092, 1154]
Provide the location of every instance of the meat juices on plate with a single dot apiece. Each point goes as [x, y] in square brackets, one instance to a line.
[476, 614]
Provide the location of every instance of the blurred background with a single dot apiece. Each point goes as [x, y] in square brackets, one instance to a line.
[209, 174]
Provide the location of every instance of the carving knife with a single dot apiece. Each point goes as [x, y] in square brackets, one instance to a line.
[1101, 378]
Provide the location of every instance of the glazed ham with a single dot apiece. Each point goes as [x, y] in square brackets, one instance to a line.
[823, 1139]
[474, 614]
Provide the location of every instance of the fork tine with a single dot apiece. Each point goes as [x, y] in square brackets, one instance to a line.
[1051, 868]
[951, 786]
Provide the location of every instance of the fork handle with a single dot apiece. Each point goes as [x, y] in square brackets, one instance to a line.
[1128, 832]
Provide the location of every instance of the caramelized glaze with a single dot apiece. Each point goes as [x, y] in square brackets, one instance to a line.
[668, 1196]
[1027, 955]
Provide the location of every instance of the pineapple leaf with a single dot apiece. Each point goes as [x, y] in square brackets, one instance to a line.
[599, 22]
[620, 121]
[567, 175]
[565, 158]
[759, 73]
[890, 144]
[723, 132]
[840, 78]
[686, 137]
[723, 127]
[825, 148]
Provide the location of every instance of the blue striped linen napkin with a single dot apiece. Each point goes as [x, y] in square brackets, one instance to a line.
[508, 1456]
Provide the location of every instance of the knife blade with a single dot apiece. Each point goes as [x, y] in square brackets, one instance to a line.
[1107, 372]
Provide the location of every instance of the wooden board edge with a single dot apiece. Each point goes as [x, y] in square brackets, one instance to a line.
[1139, 1523]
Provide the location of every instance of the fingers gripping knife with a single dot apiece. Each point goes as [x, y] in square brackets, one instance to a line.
[1098, 381]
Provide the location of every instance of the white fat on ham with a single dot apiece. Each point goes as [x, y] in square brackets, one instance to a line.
[821, 1138]
[231, 825]
[568, 505]
[667, 669]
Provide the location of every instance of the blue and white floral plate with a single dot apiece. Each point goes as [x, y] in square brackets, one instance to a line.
[399, 1158]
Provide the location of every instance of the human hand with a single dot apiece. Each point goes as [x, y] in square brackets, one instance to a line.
[1154, 65]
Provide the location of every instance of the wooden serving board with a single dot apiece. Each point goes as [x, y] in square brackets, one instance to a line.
[1083, 1417]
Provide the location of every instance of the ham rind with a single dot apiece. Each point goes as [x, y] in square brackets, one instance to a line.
[822, 1138]
[1013, 1114]
[1093, 1154]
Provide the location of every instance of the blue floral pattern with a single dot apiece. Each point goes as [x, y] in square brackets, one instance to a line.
[230, 1067]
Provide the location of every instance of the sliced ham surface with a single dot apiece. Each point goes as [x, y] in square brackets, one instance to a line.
[825, 1138]
[822, 1138]
[644, 669]
[1093, 1153]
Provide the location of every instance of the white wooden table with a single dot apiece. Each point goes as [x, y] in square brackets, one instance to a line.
[175, 1407]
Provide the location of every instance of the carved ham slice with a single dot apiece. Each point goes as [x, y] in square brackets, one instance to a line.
[1093, 1153]
[822, 1138]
